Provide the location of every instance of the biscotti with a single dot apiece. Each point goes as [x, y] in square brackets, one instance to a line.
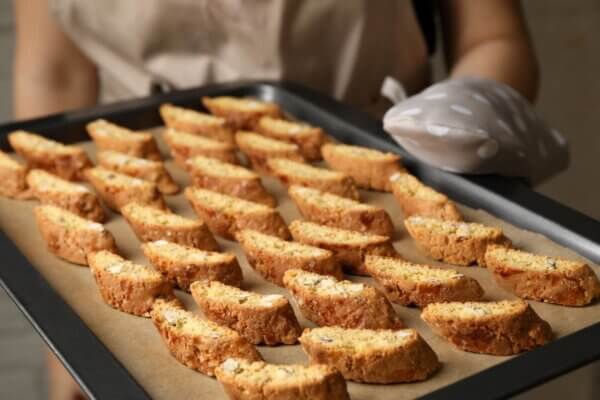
[418, 285]
[454, 242]
[328, 302]
[259, 149]
[307, 137]
[296, 173]
[267, 319]
[153, 171]
[117, 189]
[340, 212]
[349, 247]
[109, 136]
[70, 236]
[184, 146]
[196, 122]
[243, 380]
[549, 279]
[415, 198]
[12, 176]
[150, 224]
[222, 177]
[371, 356]
[271, 256]
[68, 162]
[197, 343]
[499, 328]
[370, 169]
[182, 265]
[50, 189]
[240, 113]
[225, 215]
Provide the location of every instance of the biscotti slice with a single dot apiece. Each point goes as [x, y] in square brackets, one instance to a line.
[150, 224]
[222, 177]
[500, 327]
[70, 236]
[183, 265]
[198, 343]
[328, 302]
[50, 189]
[12, 176]
[370, 169]
[267, 319]
[371, 356]
[549, 279]
[307, 137]
[109, 136]
[240, 112]
[349, 247]
[454, 242]
[271, 256]
[68, 162]
[225, 215]
[196, 122]
[259, 149]
[153, 171]
[415, 198]
[118, 189]
[184, 146]
[243, 380]
[296, 173]
[419, 285]
[340, 212]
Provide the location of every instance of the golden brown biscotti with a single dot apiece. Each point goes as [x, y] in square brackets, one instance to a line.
[12, 176]
[184, 146]
[349, 247]
[454, 242]
[260, 148]
[296, 173]
[371, 356]
[307, 137]
[197, 343]
[182, 265]
[271, 256]
[225, 215]
[542, 278]
[328, 302]
[196, 122]
[370, 169]
[418, 285]
[243, 380]
[109, 136]
[267, 319]
[340, 212]
[68, 162]
[241, 112]
[222, 177]
[70, 236]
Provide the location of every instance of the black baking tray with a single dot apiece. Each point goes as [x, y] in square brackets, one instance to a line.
[102, 376]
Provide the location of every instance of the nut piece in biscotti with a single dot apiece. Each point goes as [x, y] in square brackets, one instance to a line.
[109, 136]
[241, 113]
[50, 189]
[197, 343]
[68, 162]
[196, 122]
[70, 236]
[267, 319]
[12, 176]
[415, 198]
[370, 169]
[117, 189]
[542, 278]
[225, 215]
[183, 265]
[222, 177]
[349, 247]
[498, 327]
[454, 242]
[328, 302]
[340, 212]
[149, 170]
[419, 285]
[271, 256]
[184, 146]
[150, 224]
[371, 356]
[260, 148]
[307, 137]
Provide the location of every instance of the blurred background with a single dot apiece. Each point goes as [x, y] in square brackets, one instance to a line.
[566, 35]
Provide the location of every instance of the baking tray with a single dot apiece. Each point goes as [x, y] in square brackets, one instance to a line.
[102, 376]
